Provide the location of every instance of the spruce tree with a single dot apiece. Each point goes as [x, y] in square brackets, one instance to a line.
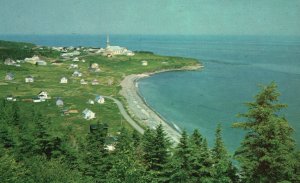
[96, 162]
[201, 159]
[181, 166]
[267, 151]
[222, 164]
[156, 152]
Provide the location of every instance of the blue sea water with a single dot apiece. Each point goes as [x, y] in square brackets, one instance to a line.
[234, 66]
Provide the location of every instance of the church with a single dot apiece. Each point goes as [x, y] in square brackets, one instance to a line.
[115, 50]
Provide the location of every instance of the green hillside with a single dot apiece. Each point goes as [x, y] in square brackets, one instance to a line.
[75, 95]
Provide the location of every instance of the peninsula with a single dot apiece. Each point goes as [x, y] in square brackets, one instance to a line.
[73, 77]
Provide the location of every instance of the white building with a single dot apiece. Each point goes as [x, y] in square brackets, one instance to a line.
[144, 63]
[77, 74]
[115, 50]
[33, 60]
[73, 66]
[95, 82]
[64, 80]
[76, 59]
[43, 95]
[9, 76]
[83, 82]
[88, 114]
[59, 102]
[29, 79]
[9, 61]
[99, 99]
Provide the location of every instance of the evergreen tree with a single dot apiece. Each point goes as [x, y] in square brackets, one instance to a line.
[266, 153]
[126, 167]
[182, 161]
[201, 159]
[156, 152]
[96, 163]
[222, 165]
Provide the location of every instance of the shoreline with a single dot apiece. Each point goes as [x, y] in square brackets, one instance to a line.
[141, 111]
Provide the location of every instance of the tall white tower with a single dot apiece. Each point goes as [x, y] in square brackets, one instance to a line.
[107, 41]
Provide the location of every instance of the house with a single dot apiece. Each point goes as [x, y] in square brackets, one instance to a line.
[71, 54]
[9, 76]
[90, 101]
[99, 99]
[94, 66]
[9, 61]
[59, 102]
[88, 114]
[11, 98]
[95, 82]
[32, 60]
[76, 59]
[64, 80]
[43, 95]
[77, 74]
[41, 62]
[37, 100]
[83, 82]
[144, 63]
[29, 79]
[73, 66]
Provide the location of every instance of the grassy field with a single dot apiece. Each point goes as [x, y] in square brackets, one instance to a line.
[75, 96]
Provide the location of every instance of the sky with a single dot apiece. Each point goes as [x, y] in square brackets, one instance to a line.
[152, 17]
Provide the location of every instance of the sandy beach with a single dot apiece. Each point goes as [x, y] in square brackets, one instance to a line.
[138, 108]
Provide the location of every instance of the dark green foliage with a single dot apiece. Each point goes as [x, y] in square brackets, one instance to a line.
[222, 168]
[266, 154]
[96, 161]
[181, 166]
[155, 145]
[201, 160]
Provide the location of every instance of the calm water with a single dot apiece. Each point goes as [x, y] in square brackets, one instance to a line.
[234, 66]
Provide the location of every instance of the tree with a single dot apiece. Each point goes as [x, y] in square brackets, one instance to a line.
[182, 160]
[266, 153]
[222, 165]
[96, 162]
[156, 153]
[201, 159]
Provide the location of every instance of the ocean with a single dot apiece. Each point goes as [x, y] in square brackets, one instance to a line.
[234, 67]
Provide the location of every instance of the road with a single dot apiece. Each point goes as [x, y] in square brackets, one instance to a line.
[126, 116]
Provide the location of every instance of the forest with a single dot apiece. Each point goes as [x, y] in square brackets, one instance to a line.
[31, 152]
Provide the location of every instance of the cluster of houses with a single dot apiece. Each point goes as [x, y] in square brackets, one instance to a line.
[12, 62]
[10, 76]
[36, 60]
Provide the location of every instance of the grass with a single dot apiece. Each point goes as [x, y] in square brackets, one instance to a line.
[75, 95]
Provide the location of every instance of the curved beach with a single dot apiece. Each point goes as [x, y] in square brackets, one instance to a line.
[138, 108]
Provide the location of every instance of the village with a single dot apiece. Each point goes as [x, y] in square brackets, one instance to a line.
[74, 58]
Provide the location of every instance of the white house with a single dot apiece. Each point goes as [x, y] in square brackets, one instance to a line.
[32, 60]
[88, 114]
[29, 79]
[90, 101]
[11, 98]
[59, 102]
[71, 54]
[36, 100]
[73, 66]
[9, 76]
[144, 63]
[83, 82]
[99, 99]
[95, 82]
[41, 62]
[76, 59]
[77, 74]
[43, 95]
[9, 61]
[64, 80]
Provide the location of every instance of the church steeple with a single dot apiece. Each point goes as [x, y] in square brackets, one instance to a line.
[107, 41]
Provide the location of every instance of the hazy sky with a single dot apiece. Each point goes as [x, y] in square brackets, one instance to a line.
[200, 17]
